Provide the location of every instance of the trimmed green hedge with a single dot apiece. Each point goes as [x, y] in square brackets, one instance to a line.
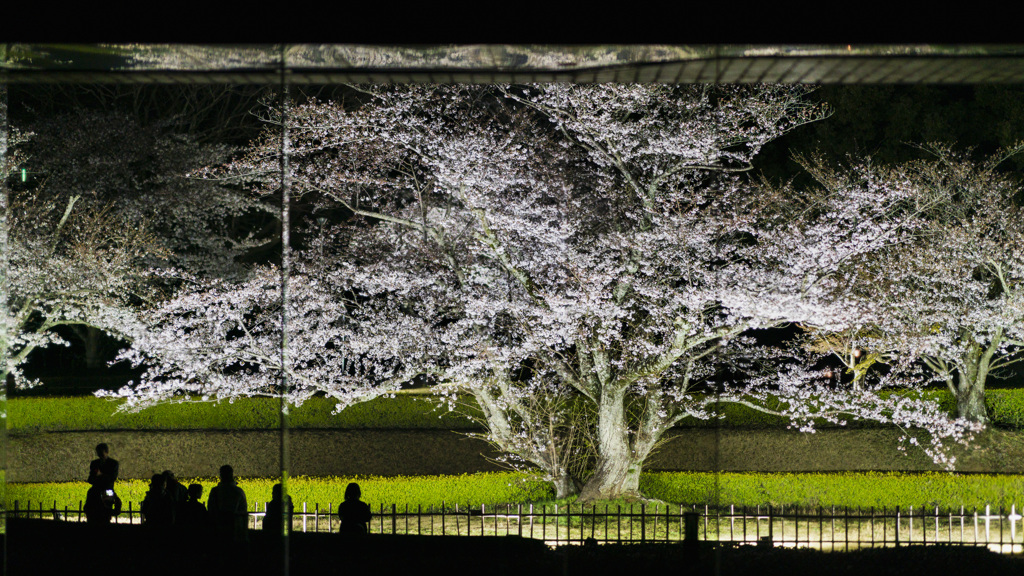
[426, 491]
[1005, 407]
[945, 490]
[853, 489]
[404, 411]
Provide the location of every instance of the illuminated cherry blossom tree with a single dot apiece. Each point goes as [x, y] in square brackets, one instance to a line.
[220, 340]
[545, 246]
[953, 295]
[108, 200]
[68, 266]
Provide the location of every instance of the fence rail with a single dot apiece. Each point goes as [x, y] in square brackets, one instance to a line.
[825, 529]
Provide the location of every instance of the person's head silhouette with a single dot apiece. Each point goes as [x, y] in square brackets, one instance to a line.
[352, 491]
[102, 451]
[227, 474]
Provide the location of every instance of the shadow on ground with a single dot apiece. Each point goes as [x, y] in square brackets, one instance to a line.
[46, 547]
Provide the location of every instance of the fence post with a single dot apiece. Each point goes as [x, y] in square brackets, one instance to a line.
[606, 523]
[690, 527]
[961, 524]
[910, 526]
[544, 521]
[975, 525]
[846, 527]
[394, 519]
[1001, 512]
[316, 517]
[619, 524]
[643, 521]
[897, 526]
[556, 525]
[821, 527]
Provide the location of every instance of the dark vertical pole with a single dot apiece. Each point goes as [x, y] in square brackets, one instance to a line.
[643, 521]
[690, 528]
[519, 518]
[846, 527]
[3, 318]
[606, 523]
[821, 528]
[285, 272]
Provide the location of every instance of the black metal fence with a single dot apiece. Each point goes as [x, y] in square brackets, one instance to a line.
[825, 529]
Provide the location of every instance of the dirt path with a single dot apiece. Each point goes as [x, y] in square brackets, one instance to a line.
[58, 457]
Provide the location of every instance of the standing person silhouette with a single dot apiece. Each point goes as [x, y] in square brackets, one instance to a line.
[228, 509]
[193, 515]
[354, 513]
[274, 521]
[101, 502]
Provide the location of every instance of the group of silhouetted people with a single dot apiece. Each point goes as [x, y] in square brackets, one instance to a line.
[353, 512]
[168, 503]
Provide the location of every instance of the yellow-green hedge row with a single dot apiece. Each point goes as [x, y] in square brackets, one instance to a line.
[847, 489]
[91, 413]
[426, 491]
[404, 411]
[808, 491]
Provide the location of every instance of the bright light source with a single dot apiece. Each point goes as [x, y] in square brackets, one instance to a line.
[24, 174]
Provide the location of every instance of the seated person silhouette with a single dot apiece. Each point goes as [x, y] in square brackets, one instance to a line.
[353, 512]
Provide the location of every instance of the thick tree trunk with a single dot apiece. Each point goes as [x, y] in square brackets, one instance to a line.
[94, 344]
[564, 487]
[970, 393]
[618, 473]
[970, 402]
[614, 478]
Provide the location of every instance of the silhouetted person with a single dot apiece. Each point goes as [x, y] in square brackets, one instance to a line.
[193, 513]
[157, 507]
[228, 509]
[101, 502]
[272, 519]
[354, 513]
[176, 491]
